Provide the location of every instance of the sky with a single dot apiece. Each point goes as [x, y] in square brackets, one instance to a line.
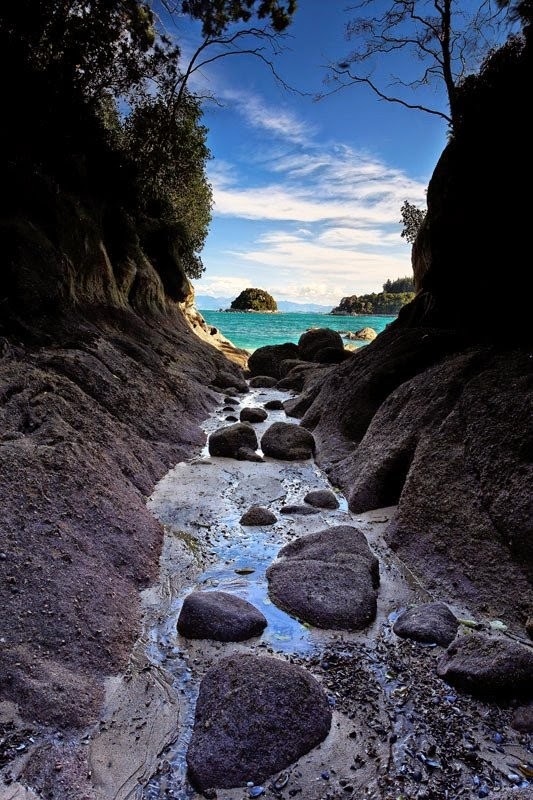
[307, 194]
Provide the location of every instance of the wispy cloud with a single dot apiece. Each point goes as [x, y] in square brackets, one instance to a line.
[279, 122]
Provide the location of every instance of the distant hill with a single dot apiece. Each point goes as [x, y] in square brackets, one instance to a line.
[206, 302]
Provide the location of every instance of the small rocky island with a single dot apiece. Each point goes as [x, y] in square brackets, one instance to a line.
[395, 295]
[254, 300]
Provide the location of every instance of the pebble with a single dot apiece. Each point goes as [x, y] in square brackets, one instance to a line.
[256, 791]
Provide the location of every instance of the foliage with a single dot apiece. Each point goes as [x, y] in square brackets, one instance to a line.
[400, 285]
[446, 38]
[412, 218]
[101, 109]
[382, 303]
[254, 300]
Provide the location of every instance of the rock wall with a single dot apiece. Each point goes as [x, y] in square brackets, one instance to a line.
[102, 386]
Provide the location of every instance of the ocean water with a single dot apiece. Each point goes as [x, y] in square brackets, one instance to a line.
[251, 331]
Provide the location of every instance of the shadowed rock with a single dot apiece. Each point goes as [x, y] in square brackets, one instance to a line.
[229, 380]
[327, 578]
[230, 401]
[430, 623]
[488, 665]
[311, 342]
[287, 442]
[321, 498]
[296, 508]
[253, 415]
[523, 719]
[234, 441]
[258, 515]
[267, 360]
[274, 405]
[219, 616]
[262, 382]
[231, 418]
[254, 717]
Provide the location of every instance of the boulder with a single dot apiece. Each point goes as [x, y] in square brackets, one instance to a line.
[297, 509]
[491, 665]
[430, 623]
[262, 382]
[288, 442]
[253, 415]
[258, 515]
[331, 355]
[229, 380]
[289, 364]
[230, 401]
[327, 578]
[522, 719]
[254, 716]
[267, 360]
[219, 616]
[317, 339]
[231, 418]
[321, 498]
[234, 441]
[363, 334]
[274, 405]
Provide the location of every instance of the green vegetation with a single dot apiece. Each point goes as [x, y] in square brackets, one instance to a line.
[101, 118]
[394, 296]
[412, 219]
[254, 300]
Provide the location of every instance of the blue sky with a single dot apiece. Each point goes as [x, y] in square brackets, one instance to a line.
[308, 194]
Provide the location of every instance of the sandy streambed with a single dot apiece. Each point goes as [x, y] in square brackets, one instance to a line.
[398, 731]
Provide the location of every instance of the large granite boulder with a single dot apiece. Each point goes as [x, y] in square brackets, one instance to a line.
[488, 665]
[429, 623]
[219, 616]
[316, 339]
[267, 360]
[262, 382]
[287, 442]
[321, 498]
[234, 441]
[327, 578]
[251, 414]
[254, 717]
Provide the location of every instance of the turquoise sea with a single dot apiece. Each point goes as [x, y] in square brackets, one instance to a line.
[251, 331]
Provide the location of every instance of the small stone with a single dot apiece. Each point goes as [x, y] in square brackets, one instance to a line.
[321, 498]
[274, 405]
[429, 623]
[230, 401]
[253, 415]
[231, 418]
[523, 719]
[258, 515]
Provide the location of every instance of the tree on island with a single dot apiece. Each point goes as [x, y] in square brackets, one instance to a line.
[254, 300]
[405, 284]
[394, 296]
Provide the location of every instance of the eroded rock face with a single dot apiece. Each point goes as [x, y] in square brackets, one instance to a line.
[321, 498]
[254, 716]
[253, 415]
[234, 441]
[258, 515]
[219, 616]
[430, 623]
[492, 665]
[287, 442]
[327, 578]
[311, 342]
[267, 360]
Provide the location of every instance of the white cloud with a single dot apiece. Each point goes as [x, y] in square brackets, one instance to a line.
[222, 285]
[276, 121]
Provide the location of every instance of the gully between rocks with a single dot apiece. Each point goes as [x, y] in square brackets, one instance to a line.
[398, 731]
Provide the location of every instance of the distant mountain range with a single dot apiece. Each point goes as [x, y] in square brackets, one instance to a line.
[205, 302]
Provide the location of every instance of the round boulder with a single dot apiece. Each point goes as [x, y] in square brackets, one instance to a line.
[288, 442]
[258, 515]
[523, 719]
[227, 380]
[327, 578]
[219, 616]
[317, 339]
[253, 415]
[254, 716]
[267, 360]
[331, 355]
[263, 382]
[274, 405]
[233, 441]
[429, 623]
[321, 498]
[488, 665]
